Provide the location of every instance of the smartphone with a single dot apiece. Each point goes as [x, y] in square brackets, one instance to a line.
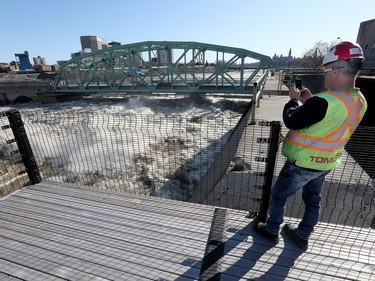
[298, 83]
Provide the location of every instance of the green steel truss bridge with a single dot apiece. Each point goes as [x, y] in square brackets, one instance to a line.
[163, 67]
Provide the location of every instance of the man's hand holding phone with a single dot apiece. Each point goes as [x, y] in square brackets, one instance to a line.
[299, 92]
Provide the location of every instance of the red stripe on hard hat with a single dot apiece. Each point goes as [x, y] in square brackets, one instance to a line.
[343, 51]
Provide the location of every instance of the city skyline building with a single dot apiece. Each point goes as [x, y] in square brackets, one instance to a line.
[94, 43]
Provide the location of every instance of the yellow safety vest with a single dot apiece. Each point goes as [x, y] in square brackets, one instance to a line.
[320, 145]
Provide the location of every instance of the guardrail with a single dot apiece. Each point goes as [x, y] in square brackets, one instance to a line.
[258, 87]
[225, 162]
[163, 156]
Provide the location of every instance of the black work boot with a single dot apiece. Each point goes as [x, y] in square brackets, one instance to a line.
[260, 228]
[291, 232]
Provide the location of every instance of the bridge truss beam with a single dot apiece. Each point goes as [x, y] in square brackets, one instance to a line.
[162, 67]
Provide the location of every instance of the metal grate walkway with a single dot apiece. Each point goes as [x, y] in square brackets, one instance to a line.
[61, 232]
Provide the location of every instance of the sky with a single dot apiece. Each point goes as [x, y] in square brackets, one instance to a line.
[52, 29]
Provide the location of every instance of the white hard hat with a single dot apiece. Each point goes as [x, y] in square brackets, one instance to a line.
[343, 51]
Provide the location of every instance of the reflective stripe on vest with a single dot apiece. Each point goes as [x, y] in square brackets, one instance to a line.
[354, 109]
[336, 139]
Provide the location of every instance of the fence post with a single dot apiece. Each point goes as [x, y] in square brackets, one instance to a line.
[270, 170]
[24, 147]
[254, 103]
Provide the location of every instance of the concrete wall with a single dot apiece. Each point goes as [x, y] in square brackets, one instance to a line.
[21, 91]
[366, 38]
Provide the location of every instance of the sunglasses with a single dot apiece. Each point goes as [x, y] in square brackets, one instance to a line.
[332, 68]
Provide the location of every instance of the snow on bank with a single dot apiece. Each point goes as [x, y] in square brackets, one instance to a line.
[151, 145]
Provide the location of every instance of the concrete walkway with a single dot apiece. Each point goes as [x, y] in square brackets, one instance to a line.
[274, 97]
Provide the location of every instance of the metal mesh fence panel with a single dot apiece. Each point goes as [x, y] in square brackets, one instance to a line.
[157, 155]
[168, 156]
[163, 156]
[348, 196]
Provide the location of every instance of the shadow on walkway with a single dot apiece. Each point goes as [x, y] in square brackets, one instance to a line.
[278, 269]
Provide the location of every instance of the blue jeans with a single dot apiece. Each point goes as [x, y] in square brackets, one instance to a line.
[291, 179]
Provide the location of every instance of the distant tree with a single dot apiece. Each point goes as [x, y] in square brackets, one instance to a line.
[313, 57]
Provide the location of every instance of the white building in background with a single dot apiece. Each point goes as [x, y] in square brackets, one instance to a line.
[93, 42]
[39, 60]
[164, 56]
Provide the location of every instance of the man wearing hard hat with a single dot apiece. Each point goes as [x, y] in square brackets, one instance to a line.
[319, 130]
